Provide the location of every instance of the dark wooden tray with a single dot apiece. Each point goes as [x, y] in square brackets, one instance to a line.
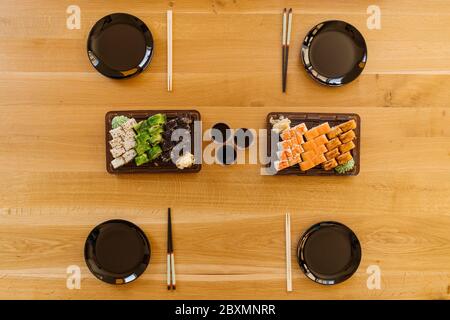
[151, 167]
[312, 120]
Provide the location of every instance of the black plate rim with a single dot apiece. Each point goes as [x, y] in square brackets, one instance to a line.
[115, 74]
[356, 254]
[122, 278]
[314, 74]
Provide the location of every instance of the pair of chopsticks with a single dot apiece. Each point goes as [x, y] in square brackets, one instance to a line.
[287, 25]
[169, 50]
[288, 253]
[171, 282]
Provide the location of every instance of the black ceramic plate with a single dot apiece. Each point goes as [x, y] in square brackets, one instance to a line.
[120, 46]
[329, 253]
[334, 53]
[117, 251]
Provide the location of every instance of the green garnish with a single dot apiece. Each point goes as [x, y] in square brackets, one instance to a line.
[117, 121]
[343, 168]
[140, 160]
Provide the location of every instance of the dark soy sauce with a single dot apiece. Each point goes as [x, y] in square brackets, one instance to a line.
[120, 46]
[119, 248]
[220, 132]
[226, 155]
[334, 54]
[328, 251]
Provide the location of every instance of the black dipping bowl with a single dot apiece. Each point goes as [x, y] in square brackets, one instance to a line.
[334, 53]
[329, 253]
[117, 251]
[120, 46]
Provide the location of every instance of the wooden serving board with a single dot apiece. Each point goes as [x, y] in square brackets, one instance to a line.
[153, 166]
[311, 120]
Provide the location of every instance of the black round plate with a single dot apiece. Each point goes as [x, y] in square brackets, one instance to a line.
[117, 251]
[334, 53]
[120, 46]
[329, 253]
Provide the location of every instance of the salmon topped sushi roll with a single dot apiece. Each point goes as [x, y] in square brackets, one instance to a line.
[285, 144]
[309, 145]
[306, 165]
[297, 150]
[285, 135]
[334, 132]
[347, 136]
[311, 134]
[280, 165]
[300, 129]
[349, 125]
[294, 160]
[320, 140]
[324, 128]
[284, 154]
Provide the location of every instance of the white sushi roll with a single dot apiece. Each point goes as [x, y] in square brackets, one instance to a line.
[129, 135]
[129, 155]
[128, 126]
[117, 151]
[118, 162]
[117, 133]
[129, 144]
[116, 142]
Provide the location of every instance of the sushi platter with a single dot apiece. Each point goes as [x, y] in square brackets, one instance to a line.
[314, 144]
[143, 142]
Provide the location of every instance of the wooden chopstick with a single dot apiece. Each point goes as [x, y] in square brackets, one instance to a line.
[283, 46]
[171, 281]
[169, 50]
[286, 51]
[288, 253]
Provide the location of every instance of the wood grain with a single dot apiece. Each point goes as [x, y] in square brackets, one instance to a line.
[228, 222]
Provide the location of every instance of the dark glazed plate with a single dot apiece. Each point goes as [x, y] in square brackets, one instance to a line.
[156, 166]
[311, 120]
[117, 251]
[329, 253]
[334, 53]
[120, 46]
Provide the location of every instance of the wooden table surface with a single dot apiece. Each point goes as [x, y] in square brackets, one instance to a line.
[228, 221]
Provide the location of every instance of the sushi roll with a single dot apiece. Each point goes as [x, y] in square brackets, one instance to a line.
[321, 149]
[300, 129]
[127, 126]
[330, 164]
[320, 140]
[344, 158]
[285, 144]
[349, 125]
[117, 133]
[334, 143]
[129, 155]
[308, 155]
[284, 154]
[116, 142]
[129, 144]
[334, 132]
[309, 145]
[324, 128]
[118, 162]
[346, 147]
[285, 135]
[297, 150]
[117, 152]
[294, 160]
[306, 165]
[347, 136]
[332, 154]
[280, 165]
[311, 134]
[318, 159]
